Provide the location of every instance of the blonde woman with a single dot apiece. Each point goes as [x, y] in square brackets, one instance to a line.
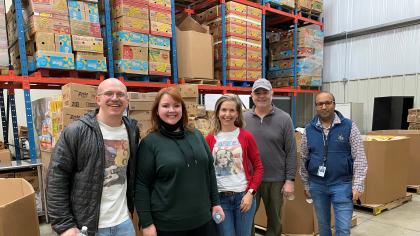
[237, 165]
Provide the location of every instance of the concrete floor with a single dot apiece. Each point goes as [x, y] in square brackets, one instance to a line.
[400, 221]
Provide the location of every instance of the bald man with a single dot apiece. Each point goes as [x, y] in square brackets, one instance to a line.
[91, 173]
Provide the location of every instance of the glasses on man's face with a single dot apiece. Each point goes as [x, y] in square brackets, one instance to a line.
[326, 103]
[111, 94]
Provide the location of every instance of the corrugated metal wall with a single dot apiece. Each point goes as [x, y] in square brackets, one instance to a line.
[365, 90]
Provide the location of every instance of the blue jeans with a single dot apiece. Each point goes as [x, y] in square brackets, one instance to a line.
[340, 196]
[126, 228]
[236, 222]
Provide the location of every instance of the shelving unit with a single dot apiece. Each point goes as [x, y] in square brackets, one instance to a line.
[26, 81]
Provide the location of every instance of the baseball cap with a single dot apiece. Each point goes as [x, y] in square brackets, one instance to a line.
[262, 83]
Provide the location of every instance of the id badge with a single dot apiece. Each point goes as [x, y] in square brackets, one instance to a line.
[321, 171]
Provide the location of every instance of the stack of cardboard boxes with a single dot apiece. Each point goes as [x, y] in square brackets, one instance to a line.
[140, 107]
[86, 35]
[47, 34]
[5, 158]
[413, 119]
[243, 40]
[141, 36]
[310, 6]
[4, 54]
[309, 58]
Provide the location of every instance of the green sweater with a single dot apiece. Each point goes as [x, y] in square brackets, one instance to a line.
[175, 189]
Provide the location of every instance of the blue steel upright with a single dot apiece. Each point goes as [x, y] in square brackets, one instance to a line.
[295, 50]
[223, 66]
[173, 45]
[4, 121]
[108, 38]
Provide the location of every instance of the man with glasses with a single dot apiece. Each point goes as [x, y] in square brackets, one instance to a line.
[273, 132]
[91, 173]
[333, 165]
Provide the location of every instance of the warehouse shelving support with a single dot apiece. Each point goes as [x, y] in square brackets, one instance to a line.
[173, 46]
[263, 38]
[223, 14]
[295, 50]
[108, 38]
[4, 119]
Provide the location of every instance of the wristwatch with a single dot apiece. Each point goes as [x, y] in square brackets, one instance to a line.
[252, 191]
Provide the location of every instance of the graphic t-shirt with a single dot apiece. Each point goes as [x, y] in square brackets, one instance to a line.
[114, 208]
[227, 153]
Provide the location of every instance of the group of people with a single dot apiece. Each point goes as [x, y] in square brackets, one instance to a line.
[183, 184]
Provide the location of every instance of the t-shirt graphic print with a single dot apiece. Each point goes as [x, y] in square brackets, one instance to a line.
[116, 160]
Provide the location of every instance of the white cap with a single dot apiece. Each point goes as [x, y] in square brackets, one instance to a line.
[262, 83]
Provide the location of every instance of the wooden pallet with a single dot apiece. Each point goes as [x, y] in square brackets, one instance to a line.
[377, 209]
[263, 229]
[413, 189]
[42, 72]
[201, 81]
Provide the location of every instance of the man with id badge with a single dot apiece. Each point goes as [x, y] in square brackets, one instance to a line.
[333, 165]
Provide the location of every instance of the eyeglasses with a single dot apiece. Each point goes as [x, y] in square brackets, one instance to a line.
[110, 94]
[326, 103]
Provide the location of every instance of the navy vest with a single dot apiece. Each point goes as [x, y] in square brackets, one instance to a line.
[339, 161]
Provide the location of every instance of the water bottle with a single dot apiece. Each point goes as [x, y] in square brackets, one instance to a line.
[217, 217]
[291, 197]
[309, 200]
[83, 231]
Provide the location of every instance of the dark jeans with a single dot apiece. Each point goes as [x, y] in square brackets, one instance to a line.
[208, 229]
[272, 197]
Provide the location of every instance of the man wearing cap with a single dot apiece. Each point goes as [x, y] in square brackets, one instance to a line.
[273, 131]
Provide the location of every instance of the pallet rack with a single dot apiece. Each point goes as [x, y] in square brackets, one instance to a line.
[26, 81]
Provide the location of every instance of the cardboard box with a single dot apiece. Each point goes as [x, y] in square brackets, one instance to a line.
[159, 68]
[387, 176]
[63, 43]
[196, 110]
[76, 10]
[159, 42]
[232, 74]
[31, 176]
[132, 66]
[163, 4]
[188, 90]
[160, 29]
[253, 13]
[70, 114]
[40, 23]
[87, 44]
[140, 106]
[136, 9]
[160, 16]
[86, 61]
[50, 6]
[17, 205]
[1, 145]
[140, 115]
[5, 157]
[91, 12]
[85, 28]
[7, 175]
[413, 152]
[192, 38]
[52, 60]
[131, 24]
[145, 97]
[128, 52]
[44, 41]
[79, 95]
[131, 38]
[158, 55]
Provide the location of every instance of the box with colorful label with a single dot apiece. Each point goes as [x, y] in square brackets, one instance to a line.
[90, 61]
[254, 64]
[232, 75]
[253, 52]
[87, 44]
[52, 60]
[253, 13]
[44, 41]
[317, 6]
[91, 12]
[131, 38]
[232, 51]
[310, 81]
[129, 52]
[252, 75]
[163, 4]
[85, 28]
[160, 16]
[136, 9]
[157, 68]
[232, 29]
[159, 55]
[38, 23]
[49, 6]
[159, 42]
[76, 10]
[161, 29]
[234, 63]
[131, 24]
[131, 66]
[304, 4]
[253, 31]
[63, 43]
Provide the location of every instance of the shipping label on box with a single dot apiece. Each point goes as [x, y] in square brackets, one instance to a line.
[140, 11]
[140, 115]
[146, 97]
[125, 23]
[44, 41]
[132, 66]
[158, 68]
[158, 55]
[91, 11]
[159, 42]
[130, 52]
[161, 29]
[140, 106]
[79, 92]
[87, 44]
[131, 38]
[5, 157]
[71, 114]
[160, 16]
[53, 60]
[85, 28]
[63, 43]
[86, 62]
